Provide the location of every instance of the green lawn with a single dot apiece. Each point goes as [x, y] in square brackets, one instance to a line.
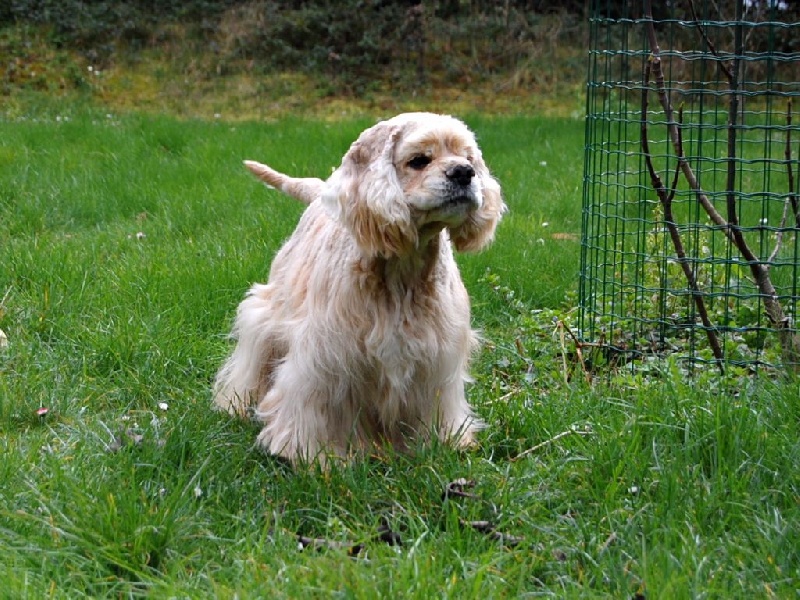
[126, 243]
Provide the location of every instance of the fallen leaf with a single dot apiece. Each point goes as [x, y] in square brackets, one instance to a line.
[482, 526]
[456, 489]
[387, 536]
[488, 528]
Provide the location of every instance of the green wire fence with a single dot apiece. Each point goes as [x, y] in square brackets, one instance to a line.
[690, 244]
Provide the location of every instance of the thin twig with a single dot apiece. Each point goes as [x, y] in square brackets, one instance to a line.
[733, 110]
[789, 171]
[779, 235]
[791, 199]
[507, 395]
[552, 440]
[612, 538]
[564, 365]
[708, 42]
[563, 327]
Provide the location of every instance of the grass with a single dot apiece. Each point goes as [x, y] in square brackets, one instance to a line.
[127, 242]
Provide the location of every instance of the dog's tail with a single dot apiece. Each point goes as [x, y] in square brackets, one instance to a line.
[305, 189]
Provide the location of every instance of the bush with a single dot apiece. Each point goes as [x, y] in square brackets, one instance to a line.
[351, 43]
[96, 27]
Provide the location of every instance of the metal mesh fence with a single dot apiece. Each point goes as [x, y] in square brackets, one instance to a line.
[690, 242]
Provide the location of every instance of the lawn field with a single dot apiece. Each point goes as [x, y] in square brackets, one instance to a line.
[126, 242]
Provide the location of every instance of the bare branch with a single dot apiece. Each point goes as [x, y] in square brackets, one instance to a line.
[789, 171]
[674, 133]
[791, 199]
[666, 202]
[723, 67]
[563, 327]
[779, 235]
[730, 189]
[790, 341]
[552, 440]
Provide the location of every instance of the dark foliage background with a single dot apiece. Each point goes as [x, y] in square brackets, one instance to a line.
[354, 43]
[350, 41]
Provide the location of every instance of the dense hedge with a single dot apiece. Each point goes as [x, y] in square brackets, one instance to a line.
[92, 24]
[353, 42]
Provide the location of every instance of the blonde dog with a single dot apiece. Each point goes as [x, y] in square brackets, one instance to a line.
[362, 334]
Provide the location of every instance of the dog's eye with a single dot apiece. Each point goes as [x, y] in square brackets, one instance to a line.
[419, 162]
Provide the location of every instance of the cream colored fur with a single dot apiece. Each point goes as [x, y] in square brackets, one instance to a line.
[362, 334]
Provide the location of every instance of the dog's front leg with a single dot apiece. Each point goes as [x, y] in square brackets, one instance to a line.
[456, 421]
[302, 421]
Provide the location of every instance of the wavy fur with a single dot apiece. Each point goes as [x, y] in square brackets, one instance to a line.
[362, 334]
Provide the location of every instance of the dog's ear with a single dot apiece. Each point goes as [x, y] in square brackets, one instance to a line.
[365, 194]
[477, 231]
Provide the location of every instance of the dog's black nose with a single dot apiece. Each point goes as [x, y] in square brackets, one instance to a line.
[461, 174]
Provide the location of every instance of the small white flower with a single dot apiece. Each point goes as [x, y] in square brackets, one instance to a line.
[163, 405]
[140, 235]
[542, 163]
[90, 68]
[545, 224]
[3, 339]
[197, 491]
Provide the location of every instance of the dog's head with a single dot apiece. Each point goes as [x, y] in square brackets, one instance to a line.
[404, 180]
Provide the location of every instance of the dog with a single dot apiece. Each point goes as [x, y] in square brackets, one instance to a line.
[361, 337]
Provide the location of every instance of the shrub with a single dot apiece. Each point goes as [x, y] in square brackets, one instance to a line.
[351, 43]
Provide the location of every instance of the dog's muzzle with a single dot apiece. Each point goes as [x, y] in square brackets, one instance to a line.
[460, 174]
[460, 190]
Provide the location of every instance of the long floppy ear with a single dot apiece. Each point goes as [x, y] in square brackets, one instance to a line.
[477, 231]
[365, 194]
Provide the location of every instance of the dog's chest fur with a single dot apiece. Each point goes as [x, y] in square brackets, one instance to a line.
[416, 313]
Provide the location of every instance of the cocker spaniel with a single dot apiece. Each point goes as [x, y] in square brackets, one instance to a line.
[362, 334]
